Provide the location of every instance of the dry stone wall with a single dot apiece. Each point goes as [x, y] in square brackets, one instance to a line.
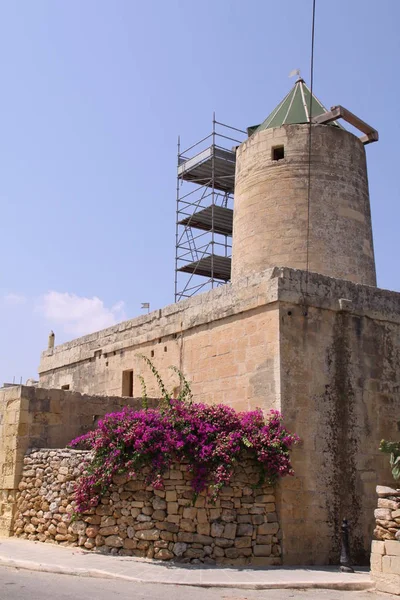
[36, 417]
[385, 551]
[133, 519]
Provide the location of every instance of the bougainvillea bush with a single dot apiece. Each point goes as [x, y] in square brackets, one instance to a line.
[210, 439]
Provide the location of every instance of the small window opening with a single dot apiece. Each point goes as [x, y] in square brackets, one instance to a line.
[127, 383]
[278, 152]
[65, 387]
[165, 349]
[152, 354]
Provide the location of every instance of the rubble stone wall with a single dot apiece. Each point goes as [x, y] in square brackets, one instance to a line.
[36, 417]
[385, 551]
[133, 519]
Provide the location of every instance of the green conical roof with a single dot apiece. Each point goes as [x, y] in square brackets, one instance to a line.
[293, 109]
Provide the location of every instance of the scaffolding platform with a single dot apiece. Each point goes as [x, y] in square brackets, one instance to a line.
[213, 167]
[213, 218]
[218, 267]
[204, 210]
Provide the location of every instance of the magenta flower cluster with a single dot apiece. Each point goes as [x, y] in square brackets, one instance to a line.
[209, 439]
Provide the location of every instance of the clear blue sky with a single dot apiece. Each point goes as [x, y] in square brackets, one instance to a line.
[93, 95]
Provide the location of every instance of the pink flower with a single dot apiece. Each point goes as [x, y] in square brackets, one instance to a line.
[210, 439]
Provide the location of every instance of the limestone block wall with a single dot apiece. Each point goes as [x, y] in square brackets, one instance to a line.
[36, 417]
[340, 393]
[225, 341]
[271, 204]
[240, 528]
[385, 549]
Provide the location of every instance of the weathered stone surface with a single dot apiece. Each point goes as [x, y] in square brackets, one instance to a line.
[114, 541]
[187, 525]
[262, 550]
[167, 526]
[189, 513]
[217, 529]
[383, 491]
[228, 515]
[232, 552]
[243, 542]
[179, 548]
[388, 503]
[92, 531]
[113, 530]
[230, 531]
[380, 533]
[202, 539]
[164, 554]
[384, 514]
[392, 548]
[204, 528]
[244, 529]
[159, 503]
[223, 542]
[77, 527]
[268, 528]
[92, 519]
[184, 536]
[148, 534]
[143, 518]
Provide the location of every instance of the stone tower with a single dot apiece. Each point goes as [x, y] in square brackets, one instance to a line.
[272, 224]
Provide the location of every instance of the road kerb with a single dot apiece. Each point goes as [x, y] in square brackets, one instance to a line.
[341, 585]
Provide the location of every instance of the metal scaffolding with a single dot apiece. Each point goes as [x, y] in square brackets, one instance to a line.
[204, 211]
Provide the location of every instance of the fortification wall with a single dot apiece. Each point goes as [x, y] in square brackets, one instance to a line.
[340, 392]
[240, 528]
[225, 341]
[36, 417]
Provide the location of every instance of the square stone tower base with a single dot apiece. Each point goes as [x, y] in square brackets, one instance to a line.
[325, 352]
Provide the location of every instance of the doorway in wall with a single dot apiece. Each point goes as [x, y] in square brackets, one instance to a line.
[127, 382]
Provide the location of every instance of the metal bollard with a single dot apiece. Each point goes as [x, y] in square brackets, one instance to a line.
[345, 563]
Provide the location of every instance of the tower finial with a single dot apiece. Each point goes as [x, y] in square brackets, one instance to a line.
[296, 72]
[51, 342]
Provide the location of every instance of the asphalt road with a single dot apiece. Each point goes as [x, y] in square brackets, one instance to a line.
[18, 584]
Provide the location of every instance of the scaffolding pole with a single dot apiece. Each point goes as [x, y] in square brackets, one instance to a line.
[204, 210]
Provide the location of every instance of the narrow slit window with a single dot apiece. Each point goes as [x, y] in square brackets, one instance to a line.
[278, 152]
[127, 383]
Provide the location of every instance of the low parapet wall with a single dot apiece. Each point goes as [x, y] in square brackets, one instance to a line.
[385, 551]
[240, 528]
